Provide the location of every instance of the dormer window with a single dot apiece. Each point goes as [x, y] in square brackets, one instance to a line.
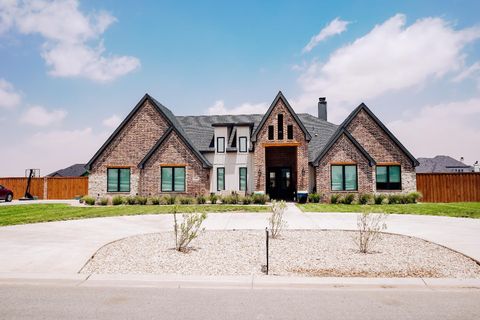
[220, 144]
[242, 144]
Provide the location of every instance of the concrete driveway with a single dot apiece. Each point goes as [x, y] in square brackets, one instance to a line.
[63, 247]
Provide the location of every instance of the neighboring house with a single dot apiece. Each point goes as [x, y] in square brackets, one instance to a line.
[442, 164]
[76, 170]
[281, 153]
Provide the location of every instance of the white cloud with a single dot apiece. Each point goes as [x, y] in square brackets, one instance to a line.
[50, 151]
[246, 108]
[41, 117]
[112, 122]
[390, 57]
[9, 97]
[449, 128]
[336, 26]
[468, 72]
[68, 35]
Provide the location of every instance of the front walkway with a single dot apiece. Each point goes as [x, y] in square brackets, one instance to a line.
[64, 246]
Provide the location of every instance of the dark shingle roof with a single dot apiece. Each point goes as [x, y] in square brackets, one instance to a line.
[200, 131]
[440, 164]
[76, 170]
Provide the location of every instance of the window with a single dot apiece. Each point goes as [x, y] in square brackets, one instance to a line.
[220, 179]
[290, 131]
[388, 178]
[242, 141]
[280, 126]
[270, 132]
[173, 179]
[344, 177]
[243, 179]
[220, 144]
[118, 180]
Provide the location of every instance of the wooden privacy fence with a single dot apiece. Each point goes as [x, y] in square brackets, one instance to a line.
[449, 187]
[48, 187]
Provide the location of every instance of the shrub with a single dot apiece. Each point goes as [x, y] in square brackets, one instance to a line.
[365, 198]
[103, 201]
[348, 198]
[231, 199]
[141, 200]
[413, 197]
[246, 200]
[276, 218]
[201, 199]
[186, 200]
[155, 200]
[369, 228]
[314, 197]
[213, 198]
[188, 230]
[260, 198]
[117, 200]
[394, 198]
[379, 198]
[89, 200]
[131, 200]
[335, 199]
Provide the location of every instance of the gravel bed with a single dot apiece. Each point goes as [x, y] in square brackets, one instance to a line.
[299, 253]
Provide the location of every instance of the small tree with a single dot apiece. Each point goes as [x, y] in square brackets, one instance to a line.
[188, 229]
[276, 218]
[369, 227]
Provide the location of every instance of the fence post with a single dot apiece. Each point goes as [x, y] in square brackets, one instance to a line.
[45, 188]
[267, 236]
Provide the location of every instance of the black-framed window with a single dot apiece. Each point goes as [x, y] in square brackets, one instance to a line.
[118, 180]
[242, 179]
[220, 144]
[270, 132]
[389, 177]
[290, 131]
[344, 177]
[173, 179]
[242, 144]
[220, 179]
[280, 126]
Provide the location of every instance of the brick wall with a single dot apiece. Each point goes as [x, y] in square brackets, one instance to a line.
[259, 173]
[173, 151]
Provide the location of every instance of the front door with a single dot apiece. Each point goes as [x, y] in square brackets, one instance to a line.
[279, 183]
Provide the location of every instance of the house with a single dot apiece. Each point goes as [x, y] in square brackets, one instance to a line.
[442, 164]
[76, 170]
[281, 153]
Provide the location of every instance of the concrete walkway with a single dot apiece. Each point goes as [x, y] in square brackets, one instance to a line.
[63, 247]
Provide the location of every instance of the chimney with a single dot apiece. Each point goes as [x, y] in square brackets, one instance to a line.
[322, 108]
[461, 159]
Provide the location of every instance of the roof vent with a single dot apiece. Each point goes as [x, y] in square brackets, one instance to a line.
[322, 108]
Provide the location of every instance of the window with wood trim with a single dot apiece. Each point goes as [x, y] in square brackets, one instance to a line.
[173, 179]
[220, 179]
[242, 144]
[290, 132]
[280, 126]
[242, 183]
[270, 132]
[220, 144]
[344, 178]
[389, 177]
[118, 180]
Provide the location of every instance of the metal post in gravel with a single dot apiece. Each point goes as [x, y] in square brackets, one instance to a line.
[266, 234]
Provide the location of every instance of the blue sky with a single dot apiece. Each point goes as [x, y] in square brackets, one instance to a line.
[71, 70]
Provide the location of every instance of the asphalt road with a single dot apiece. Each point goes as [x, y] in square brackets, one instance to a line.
[54, 302]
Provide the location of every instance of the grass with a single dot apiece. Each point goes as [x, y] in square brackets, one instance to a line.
[457, 209]
[32, 213]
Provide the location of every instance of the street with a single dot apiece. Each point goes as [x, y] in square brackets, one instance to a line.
[45, 301]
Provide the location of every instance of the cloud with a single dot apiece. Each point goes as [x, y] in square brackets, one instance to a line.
[448, 128]
[468, 72]
[112, 122]
[73, 46]
[41, 117]
[336, 26]
[392, 56]
[50, 151]
[9, 97]
[246, 108]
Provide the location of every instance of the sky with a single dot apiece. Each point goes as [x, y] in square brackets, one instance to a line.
[71, 70]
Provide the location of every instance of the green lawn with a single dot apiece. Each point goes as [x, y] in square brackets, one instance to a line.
[21, 214]
[458, 209]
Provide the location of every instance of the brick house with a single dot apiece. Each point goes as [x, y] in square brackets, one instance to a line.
[281, 153]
